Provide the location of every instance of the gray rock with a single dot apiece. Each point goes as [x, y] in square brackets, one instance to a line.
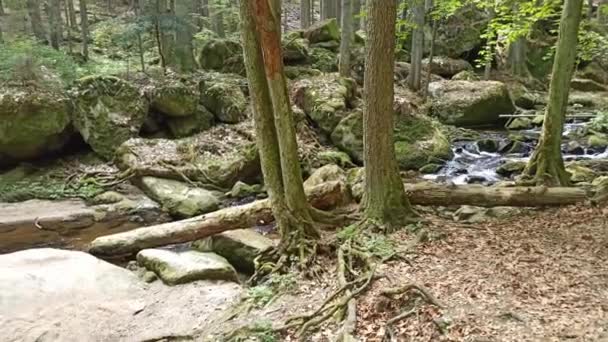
[487, 145]
[587, 85]
[323, 31]
[243, 190]
[179, 198]
[176, 268]
[327, 173]
[447, 67]
[225, 99]
[520, 123]
[240, 247]
[510, 168]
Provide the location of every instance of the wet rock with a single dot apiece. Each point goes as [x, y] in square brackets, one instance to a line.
[466, 75]
[180, 199]
[580, 174]
[181, 267]
[574, 147]
[520, 124]
[510, 168]
[325, 99]
[516, 147]
[224, 55]
[323, 31]
[240, 247]
[475, 179]
[447, 67]
[107, 112]
[466, 103]
[586, 85]
[244, 190]
[33, 123]
[488, 145]
[64, 290]
[430, 168]
[418, 140]
[225, 99]
[327, 173]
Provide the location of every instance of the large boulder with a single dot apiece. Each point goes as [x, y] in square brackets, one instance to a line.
[323, 59]
[461, 33]
[325, 99]
[185, 126]
[181, 267]
[466, 103]
[205, 157]
[323, 31]
[295, 50]
[583, 84]
[60, 295]
[180, 199]
[222, 55]
[240, 247]
[324, 174]
[419, 140]
[594, 71]
[224, 98]
[447, 67]
[32, 123]
[107, 112]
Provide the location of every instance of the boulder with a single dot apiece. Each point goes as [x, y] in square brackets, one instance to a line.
[60, 295]
[596, 100]
[295, 50]
[180, 199]
[515, 147]
[573, 147]
[185, 126]
[582, 84]
[224, 55]
[225, 99]
[418, 139]
[240, 247]
[522, 97]
[339, 158]
[447, 67]
[323, 31]
[323, 59]
[244, 190]
[355, 180]
[462, 32]
[597, 141]
[488, 145]
[594, 71]
[180, 267]
[510, 168]
[325, 99]
[32, 123]
[173, 98]
[580, 174]
[298, 71]
[203, 157]
[465, 75]
[466, 103]
[520, 123]
[327, 173]
[107, 112]
[430, 168]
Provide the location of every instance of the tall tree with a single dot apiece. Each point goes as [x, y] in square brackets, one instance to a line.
[385, 199]
[184, 51]
[357, 15]
[217, 17]
[305, 13]
[274, 125]
[71, 17]
[137, 7]
[84, 28]
[33, 10]
[2, 11]
[53, 9]
[347, 37]
[417, 51]
[546, 166]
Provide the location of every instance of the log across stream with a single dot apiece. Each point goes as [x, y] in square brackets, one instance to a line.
[325, 196]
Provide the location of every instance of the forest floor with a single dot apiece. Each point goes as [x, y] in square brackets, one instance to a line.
[540, 276]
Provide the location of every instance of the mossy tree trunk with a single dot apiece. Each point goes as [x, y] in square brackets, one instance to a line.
[385, 199]
[417, 51]
[305, 13]
[347, 38]
[184, 51]
[546, 166]
[84, 28]
[356, 15]
[275, 129]
[33, 11]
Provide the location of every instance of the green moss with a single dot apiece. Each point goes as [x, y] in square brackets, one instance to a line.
[323, 31]
[185, 126]
[323, 59]
[225, 100]
[223, 55]
[47, 187]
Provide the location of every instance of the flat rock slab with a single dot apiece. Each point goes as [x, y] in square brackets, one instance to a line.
[179, 198]
[240, 247]
[57, 295]
[70, 223]
[186, 266]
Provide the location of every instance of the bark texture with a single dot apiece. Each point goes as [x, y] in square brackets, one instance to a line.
[305, 13]
[33, 11]
[72, 15]
[546, 166]
[184, 31]
[386, 201]
[417, 51]
[346, 38]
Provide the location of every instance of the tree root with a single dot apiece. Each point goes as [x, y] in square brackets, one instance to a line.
[389, 331]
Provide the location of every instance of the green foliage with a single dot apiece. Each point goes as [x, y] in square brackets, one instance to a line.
[47, 187]
[24, 60]
[264, 294]
[377, 245]
[260, 331]
[591, 44]
[600, 122]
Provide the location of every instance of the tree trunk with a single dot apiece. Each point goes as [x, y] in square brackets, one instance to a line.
[329, 9]
[137, 7]
[204, 13]
[324, 196]
[305, 13]
[184, 51]
[217, 14]
[84, 28]
[517, 56]
[356, 15]
[386, 201]
[546, 165]
[68, 30]
[347, 38]
[53, 10]
[33, 10]
[417, 52]
[2, 11]
[71, 16]
[158, 34]
[589, 9]
[431, 56]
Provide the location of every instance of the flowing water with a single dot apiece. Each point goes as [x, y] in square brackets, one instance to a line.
[470, 165]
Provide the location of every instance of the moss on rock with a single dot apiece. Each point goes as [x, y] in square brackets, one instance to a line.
[323, 31]
[224, 98]
[323, 59]
[223, 55]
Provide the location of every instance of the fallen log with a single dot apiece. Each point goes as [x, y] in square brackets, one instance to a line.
[323, 196]
[484, 196]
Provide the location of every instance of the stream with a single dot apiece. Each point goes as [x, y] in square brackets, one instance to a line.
[470, 165]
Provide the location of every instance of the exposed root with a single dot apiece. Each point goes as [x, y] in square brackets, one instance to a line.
[389, 332]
